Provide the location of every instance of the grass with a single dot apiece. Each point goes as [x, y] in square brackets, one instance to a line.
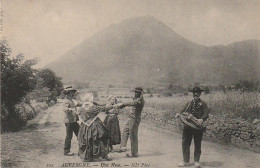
[231, 104]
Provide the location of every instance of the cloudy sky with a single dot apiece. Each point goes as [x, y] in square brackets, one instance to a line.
[49, 28]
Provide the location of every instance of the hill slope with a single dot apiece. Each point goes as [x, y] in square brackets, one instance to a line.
[144, 50]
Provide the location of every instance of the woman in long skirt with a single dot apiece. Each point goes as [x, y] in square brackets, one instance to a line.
[112, 123]
[93, 137]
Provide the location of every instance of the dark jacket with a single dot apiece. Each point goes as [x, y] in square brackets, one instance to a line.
[70, 111]
[198, 109]
[137, 107]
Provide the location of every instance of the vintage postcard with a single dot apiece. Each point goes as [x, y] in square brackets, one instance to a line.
[130, 83]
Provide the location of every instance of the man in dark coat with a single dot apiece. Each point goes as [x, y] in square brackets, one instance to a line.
[70, 118]
[132, 124]
[197, 108]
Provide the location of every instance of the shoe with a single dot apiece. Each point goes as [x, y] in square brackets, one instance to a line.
[197, 165]
[183, 164]
[132, 155]
[107, 158]
[121, 149]
[88, 160]
[68, 154]
[112, 151]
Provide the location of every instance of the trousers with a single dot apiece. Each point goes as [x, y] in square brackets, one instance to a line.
[70, 128]
[187, 135]
[131, 129]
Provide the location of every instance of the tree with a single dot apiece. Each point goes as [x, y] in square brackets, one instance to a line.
[246, 85]
[50, 80]
[17, 76]
[17, 79]
[170, 86]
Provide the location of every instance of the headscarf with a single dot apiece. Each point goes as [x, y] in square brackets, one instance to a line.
[111, 97]
[88, 100]
[114, 101]
[89, 97]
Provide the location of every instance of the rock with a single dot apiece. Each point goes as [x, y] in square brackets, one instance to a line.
[244, 129]
[257, 142]
[244, 136]
[256, 121]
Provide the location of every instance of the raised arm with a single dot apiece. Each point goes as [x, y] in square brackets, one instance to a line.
[133, 103]
[106, 108]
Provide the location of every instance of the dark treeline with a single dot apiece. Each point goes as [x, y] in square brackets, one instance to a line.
[21, 83]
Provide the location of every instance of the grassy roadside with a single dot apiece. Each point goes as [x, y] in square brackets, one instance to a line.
[15, 146]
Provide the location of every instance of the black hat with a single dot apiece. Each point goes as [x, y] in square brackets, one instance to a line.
[69, 89]
[138, 89]
[196, 89]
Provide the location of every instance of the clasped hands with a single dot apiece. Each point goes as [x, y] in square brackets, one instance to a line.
[119, 106]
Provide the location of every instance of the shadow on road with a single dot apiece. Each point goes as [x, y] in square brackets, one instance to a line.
[212, 164]
[35, 126]
[151, 154]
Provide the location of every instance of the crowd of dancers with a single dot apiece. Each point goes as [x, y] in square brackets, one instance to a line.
[96, 137]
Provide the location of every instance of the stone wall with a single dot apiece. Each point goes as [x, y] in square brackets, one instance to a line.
[236, 131]
[227, 130]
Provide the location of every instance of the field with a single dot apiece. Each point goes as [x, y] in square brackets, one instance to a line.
[230, 120]
[231, 104]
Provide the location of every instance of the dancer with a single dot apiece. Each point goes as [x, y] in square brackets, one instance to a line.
[132, 124]
[93, 136]
[112, 123]
[70, 119]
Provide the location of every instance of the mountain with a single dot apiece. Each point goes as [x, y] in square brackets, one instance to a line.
[143, 50]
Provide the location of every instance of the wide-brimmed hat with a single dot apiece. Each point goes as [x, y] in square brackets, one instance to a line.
[69, 89]
[138, 89]
[196, 89]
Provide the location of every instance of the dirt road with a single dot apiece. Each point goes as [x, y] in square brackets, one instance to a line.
[41, 145]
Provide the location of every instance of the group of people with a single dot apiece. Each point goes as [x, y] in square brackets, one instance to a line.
[96, 138]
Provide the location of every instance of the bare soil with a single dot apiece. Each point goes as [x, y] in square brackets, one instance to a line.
[41, 145]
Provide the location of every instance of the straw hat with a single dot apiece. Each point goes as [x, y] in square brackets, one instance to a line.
[68, 90]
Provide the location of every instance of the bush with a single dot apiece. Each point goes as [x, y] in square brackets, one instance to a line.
[110, 86]
[185, 94]
[167, 94]
[17, 79]
[20, 83]
[148, 91]
[247, 86]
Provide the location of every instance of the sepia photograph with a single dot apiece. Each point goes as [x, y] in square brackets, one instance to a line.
[130, 83]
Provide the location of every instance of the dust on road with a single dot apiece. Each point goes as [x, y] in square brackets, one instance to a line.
[41, 145]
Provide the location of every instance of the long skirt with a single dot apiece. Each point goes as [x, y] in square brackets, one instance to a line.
[111, 122]
[93, 140]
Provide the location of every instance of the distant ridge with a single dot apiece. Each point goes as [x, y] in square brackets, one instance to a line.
[143, 50]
